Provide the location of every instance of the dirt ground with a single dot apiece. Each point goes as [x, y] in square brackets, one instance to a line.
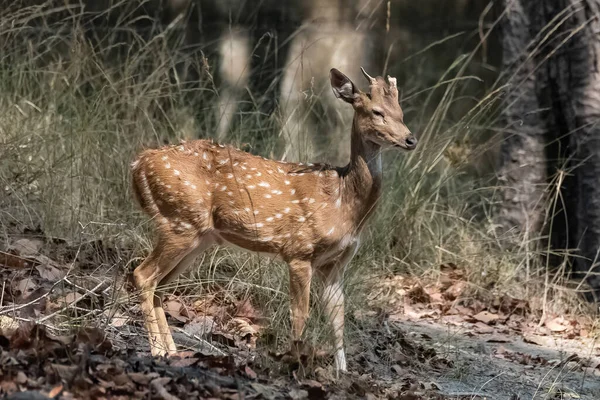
[62, 336]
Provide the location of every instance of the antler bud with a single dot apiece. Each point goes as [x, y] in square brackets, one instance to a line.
[392, 81]
[393, 88]
[371, 80]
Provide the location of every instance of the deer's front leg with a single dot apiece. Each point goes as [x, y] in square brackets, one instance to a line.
[300, 277]
[333, 302]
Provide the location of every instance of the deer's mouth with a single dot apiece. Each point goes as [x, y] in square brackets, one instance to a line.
[405, 146]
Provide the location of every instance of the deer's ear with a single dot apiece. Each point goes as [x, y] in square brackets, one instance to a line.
[342, 86]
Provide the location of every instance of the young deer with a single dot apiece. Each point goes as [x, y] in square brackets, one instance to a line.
[310, 216]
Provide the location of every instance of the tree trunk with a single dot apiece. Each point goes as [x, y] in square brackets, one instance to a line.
[563, 135]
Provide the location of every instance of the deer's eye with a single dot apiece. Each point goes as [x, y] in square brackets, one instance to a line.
[378, 113]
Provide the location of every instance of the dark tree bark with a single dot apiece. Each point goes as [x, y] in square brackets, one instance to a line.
[552, 118]
[522, 171]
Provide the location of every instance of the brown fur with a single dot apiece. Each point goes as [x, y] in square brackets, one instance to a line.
[200, 193]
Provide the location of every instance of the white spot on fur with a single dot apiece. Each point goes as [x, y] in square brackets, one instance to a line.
[186, 183]
[255, 212]
[295, 201]
[204, 155]
[167, 165]
[224, 188]
[268, 196]
[301, 219]
[176, 172]
[259, 224]
[276, 192]
[258, 173]
[229, 176]
[311, 200]
[193, 187]
[330, 232]
[264, 184]
[278, 216]
[270, 219]
[286, 182]
[293, 191]
[286, 210]
[251, 186]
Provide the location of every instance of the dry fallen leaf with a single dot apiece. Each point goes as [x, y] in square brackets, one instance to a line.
[25, 287]
[49, 272]
[481, 327]
[176, 310]
[55, 391]
[27, 247]
[8, 325]
[9, 260]
[556, 324]
[486, 317]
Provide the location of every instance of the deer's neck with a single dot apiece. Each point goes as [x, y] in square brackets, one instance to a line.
[363, 178]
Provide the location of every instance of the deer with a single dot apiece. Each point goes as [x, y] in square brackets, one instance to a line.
[311, 216]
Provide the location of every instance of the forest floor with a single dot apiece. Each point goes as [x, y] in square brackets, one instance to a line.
[70, 329]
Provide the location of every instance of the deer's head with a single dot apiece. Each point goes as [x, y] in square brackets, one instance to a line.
[379, 117]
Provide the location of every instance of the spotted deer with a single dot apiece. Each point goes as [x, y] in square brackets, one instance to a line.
[309, 215]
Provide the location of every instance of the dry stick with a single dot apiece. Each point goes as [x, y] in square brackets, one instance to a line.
[47, 317]
[2, 295]
[203, 342]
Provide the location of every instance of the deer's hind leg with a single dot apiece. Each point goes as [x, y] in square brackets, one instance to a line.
[170, 250]
[167, 337]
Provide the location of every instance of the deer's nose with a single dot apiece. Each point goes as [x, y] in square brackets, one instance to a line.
[411, 142]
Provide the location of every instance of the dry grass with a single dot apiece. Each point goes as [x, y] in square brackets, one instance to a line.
[72, 118]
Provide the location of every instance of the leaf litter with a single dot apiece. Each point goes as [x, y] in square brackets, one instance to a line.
[393, 357]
